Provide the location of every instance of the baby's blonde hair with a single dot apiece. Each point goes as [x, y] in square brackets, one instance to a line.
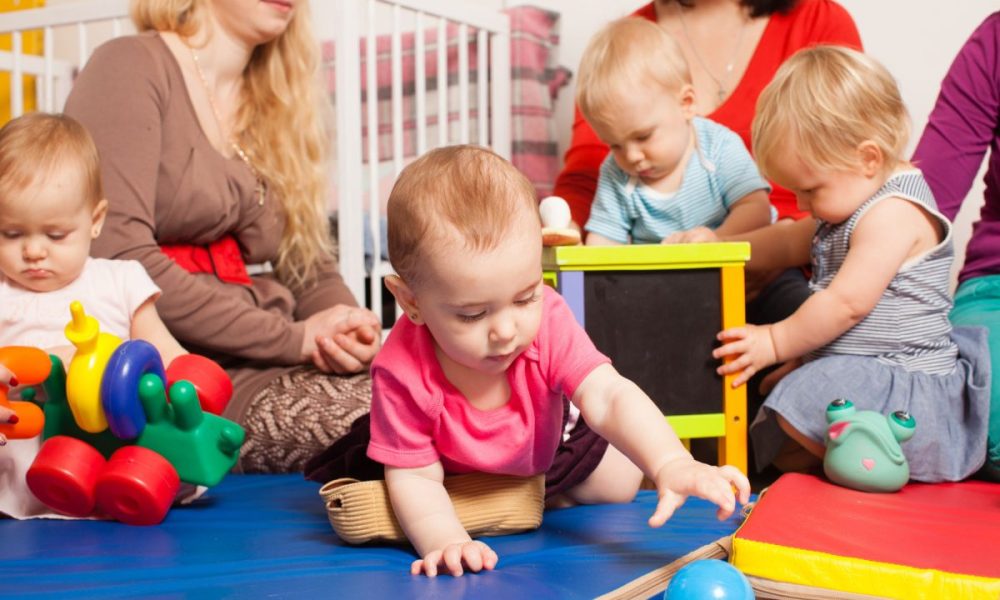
[283, 123]
[32, 146]
[826, 101]
[625, 56]
[464, 192]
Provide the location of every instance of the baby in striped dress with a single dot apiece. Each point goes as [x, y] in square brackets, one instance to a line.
[670, 177]
[832, 128]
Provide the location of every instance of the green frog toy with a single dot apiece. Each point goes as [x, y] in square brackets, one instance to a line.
[862, 448]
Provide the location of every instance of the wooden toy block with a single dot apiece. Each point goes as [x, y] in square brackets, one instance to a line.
[655, 311]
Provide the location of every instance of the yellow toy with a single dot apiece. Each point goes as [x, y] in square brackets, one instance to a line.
[83, 380]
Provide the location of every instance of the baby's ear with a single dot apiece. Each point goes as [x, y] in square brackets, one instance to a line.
[97, 217]
[871, 158]
[405, 296]
[686, 97]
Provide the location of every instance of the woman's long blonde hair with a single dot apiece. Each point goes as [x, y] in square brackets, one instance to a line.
[283, 124]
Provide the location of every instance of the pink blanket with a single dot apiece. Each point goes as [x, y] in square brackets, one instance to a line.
[535, 82]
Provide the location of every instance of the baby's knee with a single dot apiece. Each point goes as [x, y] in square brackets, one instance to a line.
[617, 485]
[815, 448]
[624, 494]
[615, 481]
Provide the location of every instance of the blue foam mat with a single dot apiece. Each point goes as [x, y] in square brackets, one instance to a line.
[259, 536]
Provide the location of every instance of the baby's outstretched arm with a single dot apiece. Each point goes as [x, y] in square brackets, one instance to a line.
[623, 414]
[427, 516]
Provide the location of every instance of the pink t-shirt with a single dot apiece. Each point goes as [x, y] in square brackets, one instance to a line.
[418, 417]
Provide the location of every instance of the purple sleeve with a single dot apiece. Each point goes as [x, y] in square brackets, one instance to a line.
[964, 121]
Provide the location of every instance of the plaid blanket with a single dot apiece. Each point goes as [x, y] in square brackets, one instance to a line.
[535, 82]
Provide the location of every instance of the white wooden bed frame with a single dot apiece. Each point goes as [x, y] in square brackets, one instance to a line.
[72, 30]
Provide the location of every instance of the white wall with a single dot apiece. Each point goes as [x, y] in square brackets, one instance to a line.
[917, 44]
[915, 39]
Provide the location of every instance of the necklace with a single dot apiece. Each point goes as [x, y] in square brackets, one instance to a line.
[722, 82]
[261, 187]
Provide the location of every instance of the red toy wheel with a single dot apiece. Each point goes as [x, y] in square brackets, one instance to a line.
[64, 474]
[137, 487]
[209, 379]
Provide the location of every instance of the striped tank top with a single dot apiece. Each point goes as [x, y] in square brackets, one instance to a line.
[909, 326]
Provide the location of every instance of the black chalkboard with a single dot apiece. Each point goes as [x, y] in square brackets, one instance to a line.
[658, 328]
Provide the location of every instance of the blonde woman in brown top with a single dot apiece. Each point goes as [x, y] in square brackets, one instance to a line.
[213, 140]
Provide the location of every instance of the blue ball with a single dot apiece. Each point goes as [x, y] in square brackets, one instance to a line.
[708, 579]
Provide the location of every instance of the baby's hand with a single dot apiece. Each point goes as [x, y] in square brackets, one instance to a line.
[691, 236]
[685, 477]
[753, 348]
[6, 416]
[7, 377]
[474, 555]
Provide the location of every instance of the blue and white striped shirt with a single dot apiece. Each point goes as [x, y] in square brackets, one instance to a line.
[721, 173]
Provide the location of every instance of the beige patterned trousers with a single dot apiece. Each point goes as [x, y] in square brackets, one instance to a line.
[298, 415]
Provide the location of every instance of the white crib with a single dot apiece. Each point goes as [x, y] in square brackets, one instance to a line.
[479, 112]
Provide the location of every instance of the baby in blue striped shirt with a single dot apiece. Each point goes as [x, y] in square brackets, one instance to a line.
[671, 176]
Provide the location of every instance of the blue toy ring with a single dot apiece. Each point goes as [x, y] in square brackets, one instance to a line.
[120, 386]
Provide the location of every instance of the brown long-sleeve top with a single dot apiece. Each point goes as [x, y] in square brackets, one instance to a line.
[166, 184]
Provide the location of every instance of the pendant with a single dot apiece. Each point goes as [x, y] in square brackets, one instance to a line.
[261, 191]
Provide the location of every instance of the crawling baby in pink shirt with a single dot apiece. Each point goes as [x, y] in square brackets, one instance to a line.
[473, 379]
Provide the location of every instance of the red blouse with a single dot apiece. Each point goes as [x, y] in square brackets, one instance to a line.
[809, 23]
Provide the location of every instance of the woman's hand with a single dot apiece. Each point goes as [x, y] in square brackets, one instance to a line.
[474, 556]
[342, 339]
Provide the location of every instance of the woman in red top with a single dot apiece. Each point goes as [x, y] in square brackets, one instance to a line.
[733, 48]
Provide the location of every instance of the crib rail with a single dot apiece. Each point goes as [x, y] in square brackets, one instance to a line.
[478, 61]
[428, 21]
[54, 70]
